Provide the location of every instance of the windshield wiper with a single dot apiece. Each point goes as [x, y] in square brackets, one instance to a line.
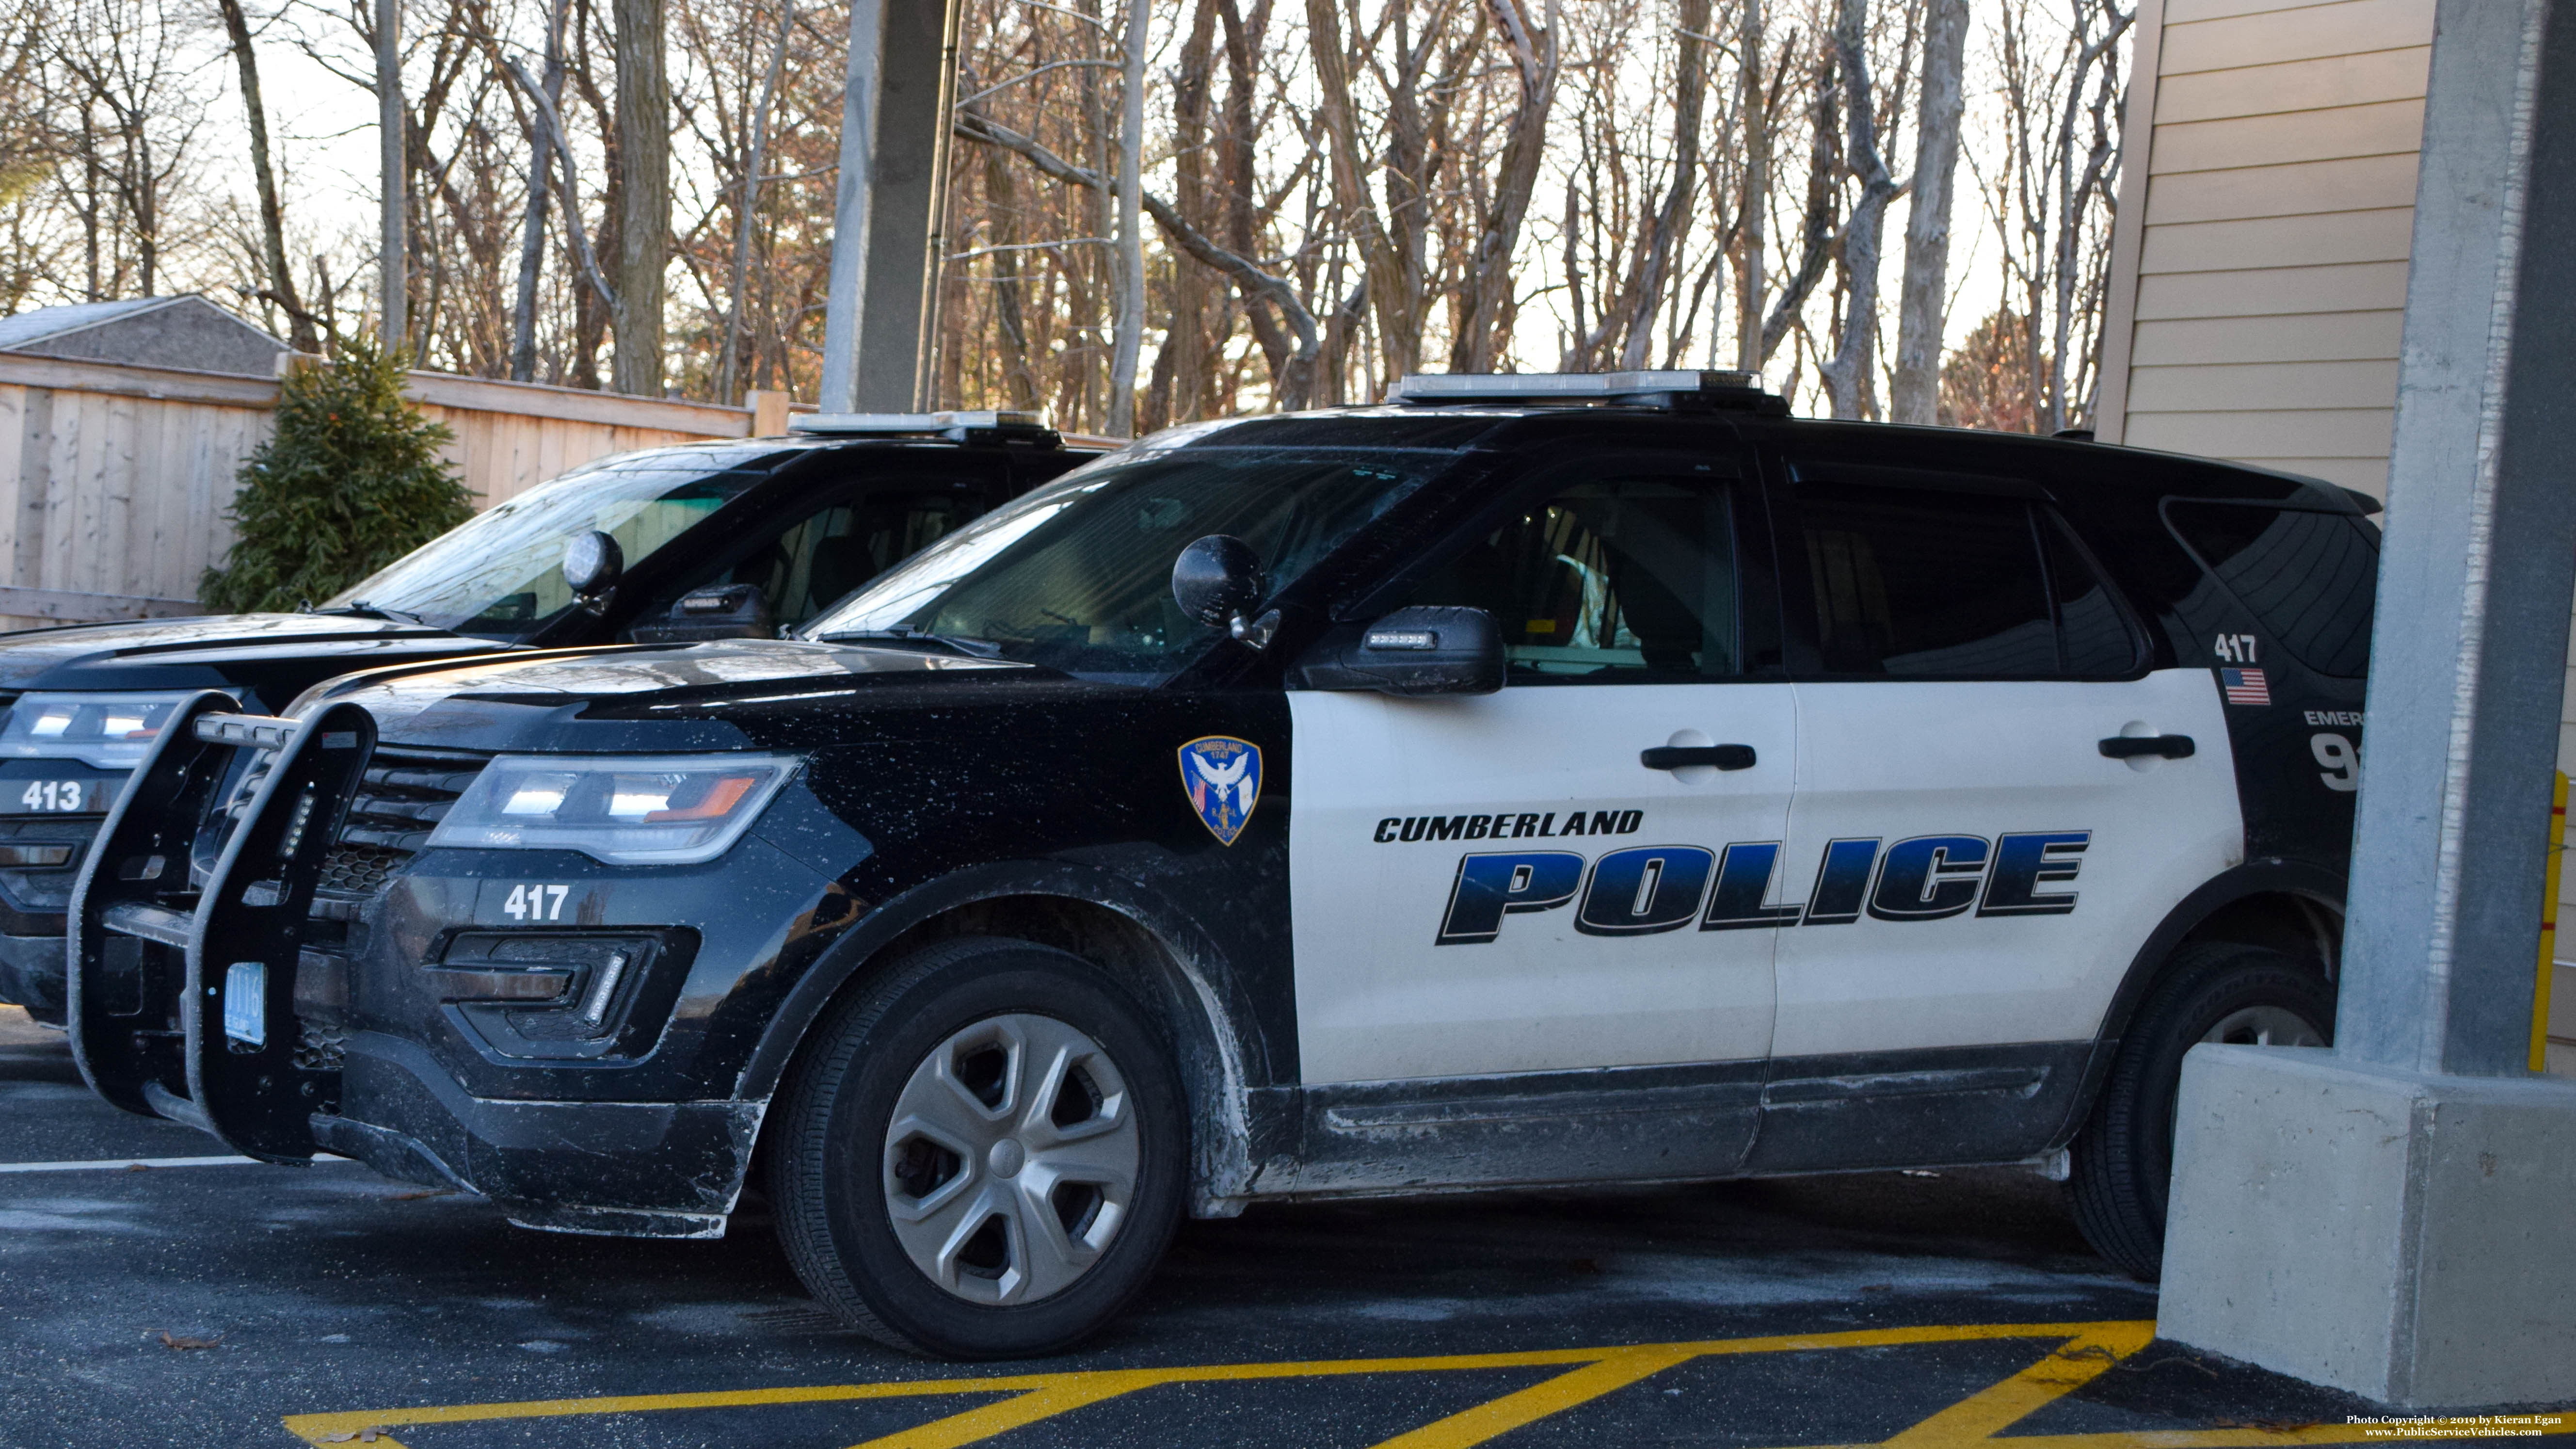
[958, 644]
[363, 610]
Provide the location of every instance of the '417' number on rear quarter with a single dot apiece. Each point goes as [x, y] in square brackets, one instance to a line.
[533, 902]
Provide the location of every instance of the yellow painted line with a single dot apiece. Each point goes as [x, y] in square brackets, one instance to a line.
[1988, 1412]
[313, 1428]
[1528, 1406]
[2084, 1352]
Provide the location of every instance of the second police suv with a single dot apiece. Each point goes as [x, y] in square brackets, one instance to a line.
[1532, 781]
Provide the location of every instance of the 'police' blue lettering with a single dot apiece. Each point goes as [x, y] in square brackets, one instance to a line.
[1644, 889]
[1841, 881]
[1743, 878]
[1491, 886]
[1929, 877]
[2024, 860]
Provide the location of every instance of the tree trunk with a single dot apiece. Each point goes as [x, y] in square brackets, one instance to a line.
[644, 224]
[1127, 331]
[1751, 225]
[1672, 224]
[1914, 392]
[1486, 306]
[747, 208]
[541, 170]
[1849, 373]
[393, 231]
[272, 219]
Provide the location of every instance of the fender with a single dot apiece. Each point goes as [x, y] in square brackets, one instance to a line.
[2275, 875]
[1223, 1067]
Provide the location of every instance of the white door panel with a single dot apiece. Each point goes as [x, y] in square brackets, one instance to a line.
[2020, 927]
[1551, 960]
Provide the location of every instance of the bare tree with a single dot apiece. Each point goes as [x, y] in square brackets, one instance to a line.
[1850, 373]
[272, 216]
[1914, 385]
[644, 219]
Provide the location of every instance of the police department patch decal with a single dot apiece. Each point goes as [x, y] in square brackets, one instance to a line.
[1222, 776]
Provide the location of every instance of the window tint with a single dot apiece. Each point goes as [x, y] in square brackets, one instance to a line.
[1630, 580]
[2309, 578]
[1910, 582]
[824, 556]
[2097, 640]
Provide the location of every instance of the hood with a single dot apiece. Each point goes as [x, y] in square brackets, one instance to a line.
[642, 697]
[271, 655]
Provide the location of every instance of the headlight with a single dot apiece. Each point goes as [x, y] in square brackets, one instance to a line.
[622, 809]
[109, 731]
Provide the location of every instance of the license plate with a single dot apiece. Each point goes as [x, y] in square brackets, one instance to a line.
[56, 797]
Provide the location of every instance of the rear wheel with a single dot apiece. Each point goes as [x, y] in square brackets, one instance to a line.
[2123, 1163]
[983, 1154]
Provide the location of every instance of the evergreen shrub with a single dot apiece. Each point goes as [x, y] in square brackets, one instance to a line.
[350, 481]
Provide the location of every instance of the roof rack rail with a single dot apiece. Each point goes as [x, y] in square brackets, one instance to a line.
[1677, 390]
[968, 426]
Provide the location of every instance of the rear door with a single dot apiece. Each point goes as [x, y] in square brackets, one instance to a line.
[1976, 868]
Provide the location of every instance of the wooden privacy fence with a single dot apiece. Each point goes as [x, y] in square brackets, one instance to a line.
[115, 479]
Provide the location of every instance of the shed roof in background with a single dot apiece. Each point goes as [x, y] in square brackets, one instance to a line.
[184, 331]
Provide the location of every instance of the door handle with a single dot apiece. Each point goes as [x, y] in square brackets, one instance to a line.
[2129, 747]
[1725, 757]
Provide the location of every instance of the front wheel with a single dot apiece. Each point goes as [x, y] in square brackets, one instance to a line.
[983, 1154]
[2123, 1163]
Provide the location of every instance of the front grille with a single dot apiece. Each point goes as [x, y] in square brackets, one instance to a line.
[405, 792]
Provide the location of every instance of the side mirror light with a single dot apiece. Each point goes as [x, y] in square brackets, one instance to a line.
[592, 564]
[1418, 651]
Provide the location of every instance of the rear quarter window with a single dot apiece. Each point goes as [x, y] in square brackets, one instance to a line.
[2308, 577]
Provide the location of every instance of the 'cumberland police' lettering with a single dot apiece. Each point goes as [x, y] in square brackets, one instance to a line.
[1645, 889]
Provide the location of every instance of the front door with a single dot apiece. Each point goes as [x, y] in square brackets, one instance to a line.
[1499, 885]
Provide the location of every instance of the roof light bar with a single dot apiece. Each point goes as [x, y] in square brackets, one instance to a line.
[1667, 388]
[954, 425]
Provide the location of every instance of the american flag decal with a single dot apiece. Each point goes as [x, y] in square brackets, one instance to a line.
[2245, 686]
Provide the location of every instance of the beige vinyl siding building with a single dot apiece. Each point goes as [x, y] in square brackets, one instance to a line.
[2258, 265]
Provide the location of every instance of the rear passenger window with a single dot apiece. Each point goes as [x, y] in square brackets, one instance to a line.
[2309, 578]
[1603, 583]
[1916, 582]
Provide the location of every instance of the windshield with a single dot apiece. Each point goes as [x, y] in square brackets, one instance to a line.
[500, 575]
[1077, 576]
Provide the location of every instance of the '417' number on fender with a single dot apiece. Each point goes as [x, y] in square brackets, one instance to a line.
[534, 902]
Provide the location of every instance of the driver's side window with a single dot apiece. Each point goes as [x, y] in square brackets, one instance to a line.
[1613, 581]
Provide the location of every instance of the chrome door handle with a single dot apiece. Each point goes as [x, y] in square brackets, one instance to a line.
[1725, 757]
[2129, 747]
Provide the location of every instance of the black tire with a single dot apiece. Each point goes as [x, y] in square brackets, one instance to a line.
[2123, 1162]
[836, 1174]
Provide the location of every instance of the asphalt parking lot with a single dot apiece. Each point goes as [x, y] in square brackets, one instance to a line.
[233, 1304]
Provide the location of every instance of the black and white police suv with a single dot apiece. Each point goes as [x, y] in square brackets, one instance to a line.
[1535, 781]
[696, 541]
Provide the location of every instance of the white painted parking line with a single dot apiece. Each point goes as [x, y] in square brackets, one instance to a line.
[129, 1164]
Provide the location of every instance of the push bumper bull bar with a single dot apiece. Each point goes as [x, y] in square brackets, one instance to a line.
[181, 998]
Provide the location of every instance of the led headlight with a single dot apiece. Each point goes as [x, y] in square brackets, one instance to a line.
[622, 809]
[109, 731]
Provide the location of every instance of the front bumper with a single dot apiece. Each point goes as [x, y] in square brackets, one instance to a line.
[649, 1169]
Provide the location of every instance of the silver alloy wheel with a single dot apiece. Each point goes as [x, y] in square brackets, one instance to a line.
[1011, 1159]
[2265, 1026]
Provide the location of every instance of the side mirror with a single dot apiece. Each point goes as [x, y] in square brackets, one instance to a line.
[718, 611]
[592, 564]
[1217, 580]
[1417, 651]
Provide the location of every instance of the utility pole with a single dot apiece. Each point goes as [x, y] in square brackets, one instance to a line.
[892, 116]
[392, 234]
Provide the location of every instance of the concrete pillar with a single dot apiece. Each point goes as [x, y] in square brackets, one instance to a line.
[893, 130]
[2398, 1217]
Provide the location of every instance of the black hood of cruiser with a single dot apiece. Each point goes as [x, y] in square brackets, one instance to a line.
[270, 655]
[724, 694]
